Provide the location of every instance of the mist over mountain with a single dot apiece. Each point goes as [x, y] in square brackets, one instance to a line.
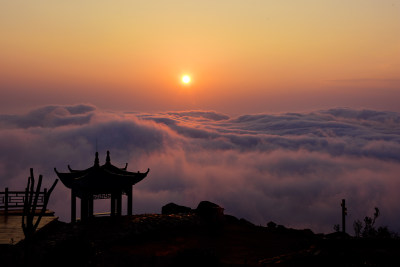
[291, 168]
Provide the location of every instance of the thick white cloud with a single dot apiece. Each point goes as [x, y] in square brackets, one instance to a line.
[290, 168]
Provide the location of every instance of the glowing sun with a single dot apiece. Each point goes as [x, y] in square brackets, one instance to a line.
[186, 79]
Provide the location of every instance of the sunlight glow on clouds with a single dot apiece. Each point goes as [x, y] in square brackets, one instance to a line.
[242, 56]
[292, 168]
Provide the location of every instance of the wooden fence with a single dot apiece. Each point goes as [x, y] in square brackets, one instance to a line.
[11, 200]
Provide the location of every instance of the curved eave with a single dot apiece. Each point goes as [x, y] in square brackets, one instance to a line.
[118, 171]
[127, 177]
[100, 179]
[69, 179]
[125, 168]
[114, 169]
[79, 171]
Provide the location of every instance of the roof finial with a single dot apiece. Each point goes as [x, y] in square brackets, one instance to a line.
[108, 160]
[96, 159]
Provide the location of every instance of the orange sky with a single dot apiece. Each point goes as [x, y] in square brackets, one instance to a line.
[243, 56]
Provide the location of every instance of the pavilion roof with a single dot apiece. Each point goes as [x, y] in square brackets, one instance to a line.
[100, 179]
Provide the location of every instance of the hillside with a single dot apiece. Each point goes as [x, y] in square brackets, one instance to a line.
[195, 240]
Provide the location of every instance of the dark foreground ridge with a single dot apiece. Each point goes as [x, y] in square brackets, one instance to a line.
[200, 237]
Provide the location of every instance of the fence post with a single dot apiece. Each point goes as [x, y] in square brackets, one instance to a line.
[6, 201]
[344, 213]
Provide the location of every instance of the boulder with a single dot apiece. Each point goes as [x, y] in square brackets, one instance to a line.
[172, 208]
[210, 211]
[271, 225]
[231, 219]
[246, 222]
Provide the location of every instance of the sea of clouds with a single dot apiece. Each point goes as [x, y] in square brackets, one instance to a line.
[291, 168]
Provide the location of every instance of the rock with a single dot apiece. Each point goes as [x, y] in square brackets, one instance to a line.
[231, 219]
[172, 208]
[210, 211]
[246, 222]
[281, 228]
[271, 225]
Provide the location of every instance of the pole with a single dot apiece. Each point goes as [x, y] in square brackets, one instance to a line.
[344, 213]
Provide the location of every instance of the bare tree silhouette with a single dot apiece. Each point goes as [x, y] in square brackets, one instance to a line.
[29, 225]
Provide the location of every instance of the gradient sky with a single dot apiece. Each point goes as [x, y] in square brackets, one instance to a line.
[243, 56]
[293, 105]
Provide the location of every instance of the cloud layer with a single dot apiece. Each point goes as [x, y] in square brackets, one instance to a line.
[291, 168]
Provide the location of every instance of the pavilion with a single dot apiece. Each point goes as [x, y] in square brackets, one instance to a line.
[100, 182]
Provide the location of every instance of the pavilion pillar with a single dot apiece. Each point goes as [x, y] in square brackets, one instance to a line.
[84, 208]
[90, 206]
[129, 204]
[119, 204]
[112, 204]
[73, 206]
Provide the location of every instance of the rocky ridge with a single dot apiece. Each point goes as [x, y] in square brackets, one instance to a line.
[196, 237]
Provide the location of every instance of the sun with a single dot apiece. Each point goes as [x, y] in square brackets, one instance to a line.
[186, 79]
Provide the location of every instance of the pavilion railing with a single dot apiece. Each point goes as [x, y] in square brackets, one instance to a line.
[11, 200]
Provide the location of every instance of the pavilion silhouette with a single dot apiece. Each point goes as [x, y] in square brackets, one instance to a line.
[100, 182]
